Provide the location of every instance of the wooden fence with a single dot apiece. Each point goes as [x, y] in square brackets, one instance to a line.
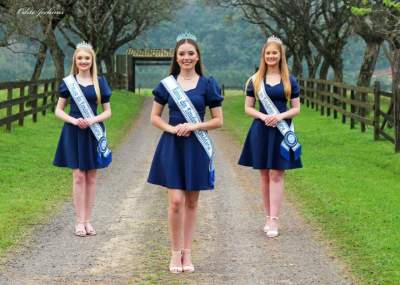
[23, 98]
[366, 106]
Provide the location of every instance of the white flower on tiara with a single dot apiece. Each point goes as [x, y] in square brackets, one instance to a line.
[186, 35]
[84, 45]
[274, 39]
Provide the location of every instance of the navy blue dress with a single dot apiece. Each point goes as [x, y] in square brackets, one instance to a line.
[77, 148]
[181, 162]
[261, 149]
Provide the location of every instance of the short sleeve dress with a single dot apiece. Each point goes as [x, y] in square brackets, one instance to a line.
[261, 149]
[77, 148]
[181, 162]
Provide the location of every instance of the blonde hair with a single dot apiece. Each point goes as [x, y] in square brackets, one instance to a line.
[93, 69]
[259, 76]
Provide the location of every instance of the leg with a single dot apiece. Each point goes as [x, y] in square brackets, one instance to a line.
[264, 186]
[78, 188]
[176, 199]
[189, 225]
[276, 196]
[90, 195]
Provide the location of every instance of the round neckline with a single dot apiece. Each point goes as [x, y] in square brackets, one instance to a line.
[82, 84]
[197, 83]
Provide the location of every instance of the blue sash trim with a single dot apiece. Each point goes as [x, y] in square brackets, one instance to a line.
[289, 141]
[190, 113]
[104, 155]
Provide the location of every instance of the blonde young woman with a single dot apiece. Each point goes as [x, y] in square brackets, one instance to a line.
[77, 146]
[262, 146]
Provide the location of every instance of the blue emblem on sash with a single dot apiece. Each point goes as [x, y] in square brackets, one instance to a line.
[104, 155]
[290, 141]
[192, 116]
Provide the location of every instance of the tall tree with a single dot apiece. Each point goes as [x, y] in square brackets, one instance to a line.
[385, 18]
[110, 24]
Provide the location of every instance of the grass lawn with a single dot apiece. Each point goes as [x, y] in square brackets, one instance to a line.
[31, 188]
[348, 189]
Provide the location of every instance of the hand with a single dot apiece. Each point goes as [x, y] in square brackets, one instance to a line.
[80, 122]
[272, 120]
[185, 129]
[89, 121]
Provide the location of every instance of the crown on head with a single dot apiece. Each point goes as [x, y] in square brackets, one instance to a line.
[274, 39]
[84, 45]
[186, 35]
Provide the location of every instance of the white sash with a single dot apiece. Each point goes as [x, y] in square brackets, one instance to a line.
[190, 113]
[84, 108]
[289, 137]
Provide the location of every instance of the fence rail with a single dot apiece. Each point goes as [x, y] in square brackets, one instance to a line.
[23, 98]
[357, 104]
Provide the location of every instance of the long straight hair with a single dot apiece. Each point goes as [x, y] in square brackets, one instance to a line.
[259, 77]
[93, 69]
[175, 69]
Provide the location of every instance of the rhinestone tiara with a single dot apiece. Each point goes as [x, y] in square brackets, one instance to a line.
[84, 45]
[186, 35]
[274, 39]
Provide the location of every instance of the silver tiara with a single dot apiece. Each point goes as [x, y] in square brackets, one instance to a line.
[84, 45]
[274, 39]
[185, 36]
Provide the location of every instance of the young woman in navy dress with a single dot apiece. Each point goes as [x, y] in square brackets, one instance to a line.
[77, 146]
[180, 163]
[262, 146]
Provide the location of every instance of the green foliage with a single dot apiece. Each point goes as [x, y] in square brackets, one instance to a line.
[358, 11]
[348, 189]
[30, 186]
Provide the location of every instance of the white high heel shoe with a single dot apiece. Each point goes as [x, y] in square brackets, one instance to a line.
[266, 227]
[174, 268]
[189, 267]
[271, 233]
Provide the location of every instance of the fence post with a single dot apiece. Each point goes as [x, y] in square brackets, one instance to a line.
[223, 89]
[363, 112]
[44, 102]
[21, 106]
[53, 95]
[335, 92]
[9, 109]
[33, 100]
[344, 106]
[352, 108]
[377, 109]
[396, 119]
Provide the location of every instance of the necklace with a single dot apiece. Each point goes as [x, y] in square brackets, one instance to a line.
[187, 78]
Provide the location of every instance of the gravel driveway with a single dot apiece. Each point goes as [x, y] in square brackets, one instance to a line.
[132, 243]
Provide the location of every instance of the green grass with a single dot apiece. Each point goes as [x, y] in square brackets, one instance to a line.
[348, 189]
[31, 188]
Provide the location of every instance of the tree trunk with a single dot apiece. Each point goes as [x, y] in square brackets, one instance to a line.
[41, 58]
[297, 68]
[338, 70]
[57, 55]
[323, 72]
[371, 54]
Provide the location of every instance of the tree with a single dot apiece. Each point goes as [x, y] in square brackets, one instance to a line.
[110, 24]
[384, 17]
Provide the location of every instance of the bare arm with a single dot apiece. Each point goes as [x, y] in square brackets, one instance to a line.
[106, 114]
[60, 113]
[215, 122]
[272, 120]
[157, 121]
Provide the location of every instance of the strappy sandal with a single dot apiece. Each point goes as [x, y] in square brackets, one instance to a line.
[90, 231]
[271, 233]
[266, 227]
[80, 230]
[173, 268]
[188, 267]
